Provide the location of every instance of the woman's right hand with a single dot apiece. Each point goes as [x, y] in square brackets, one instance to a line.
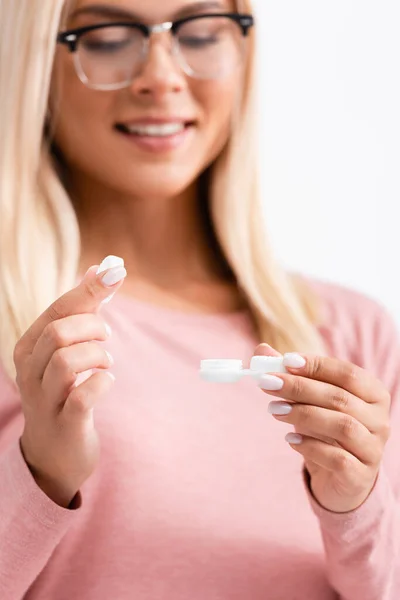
[59, 442]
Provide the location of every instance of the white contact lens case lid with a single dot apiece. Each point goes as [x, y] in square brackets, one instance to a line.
[232, 371]
[109, 263]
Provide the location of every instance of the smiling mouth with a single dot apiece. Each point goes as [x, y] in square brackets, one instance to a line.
[161, 130]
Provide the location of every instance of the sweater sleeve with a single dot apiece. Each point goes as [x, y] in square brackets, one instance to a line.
[31, 525]
[362, 547]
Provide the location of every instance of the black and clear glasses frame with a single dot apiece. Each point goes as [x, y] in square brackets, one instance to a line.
[72, 37]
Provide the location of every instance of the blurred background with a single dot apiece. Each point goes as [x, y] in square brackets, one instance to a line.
[330, 139]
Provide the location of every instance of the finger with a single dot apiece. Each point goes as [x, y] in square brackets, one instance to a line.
[341, 373]
[331, 458]
[301, 390]
[63, 333]
[65, 365]
[82, 399]
[348, 432]
[266, 350]
[85, 298]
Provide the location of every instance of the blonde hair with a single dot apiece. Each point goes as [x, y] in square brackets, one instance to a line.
[39, 233]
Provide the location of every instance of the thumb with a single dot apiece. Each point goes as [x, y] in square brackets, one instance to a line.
[96, 287]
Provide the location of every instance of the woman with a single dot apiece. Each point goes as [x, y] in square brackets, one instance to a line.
[127, 138]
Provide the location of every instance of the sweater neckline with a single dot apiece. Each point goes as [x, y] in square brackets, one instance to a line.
[142, 308]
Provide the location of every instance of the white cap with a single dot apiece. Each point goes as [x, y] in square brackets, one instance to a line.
[231, 370]
[267, 364]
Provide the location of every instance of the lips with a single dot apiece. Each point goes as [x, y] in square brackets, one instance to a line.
[156, 136]
[153, 128]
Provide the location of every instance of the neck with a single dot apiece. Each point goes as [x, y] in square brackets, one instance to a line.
[163, 241]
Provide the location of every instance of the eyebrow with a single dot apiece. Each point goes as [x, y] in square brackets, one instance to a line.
[116, 12]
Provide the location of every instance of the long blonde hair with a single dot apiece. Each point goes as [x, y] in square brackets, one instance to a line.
[39, 233]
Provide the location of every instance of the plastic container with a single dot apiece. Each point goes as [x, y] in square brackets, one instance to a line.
[231, 370]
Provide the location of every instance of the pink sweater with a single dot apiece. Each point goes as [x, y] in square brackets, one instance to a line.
[197, 495]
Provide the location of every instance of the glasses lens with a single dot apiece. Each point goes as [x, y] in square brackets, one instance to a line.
[110, 56]
[211, 47]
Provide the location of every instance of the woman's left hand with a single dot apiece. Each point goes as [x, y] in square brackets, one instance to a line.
[341, 415]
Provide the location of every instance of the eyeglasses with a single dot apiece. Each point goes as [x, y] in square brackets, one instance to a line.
[109, 56]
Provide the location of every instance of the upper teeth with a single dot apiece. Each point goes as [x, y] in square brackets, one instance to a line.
[156, 130]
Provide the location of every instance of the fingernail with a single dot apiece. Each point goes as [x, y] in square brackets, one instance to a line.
[108, 329]
[294, 438]
[279, 408]
[271, 383]
[110, 262]
[294, 360]
[110, 358]
[108, 299]
[114, 276]
[82, 377]
[110, 375]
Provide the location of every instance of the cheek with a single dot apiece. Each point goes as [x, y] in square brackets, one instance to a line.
[84, 133]
[219, 102]
[75, 111]
[82, 122]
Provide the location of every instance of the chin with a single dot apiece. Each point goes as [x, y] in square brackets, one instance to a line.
[159, 182]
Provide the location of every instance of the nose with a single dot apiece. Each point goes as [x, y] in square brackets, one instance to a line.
[160, 73]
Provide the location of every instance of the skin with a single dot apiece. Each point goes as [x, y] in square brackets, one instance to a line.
[341, 413]
[143, 208]
[128, 200]
[129, 204]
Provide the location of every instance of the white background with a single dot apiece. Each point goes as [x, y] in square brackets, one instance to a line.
[330, 125]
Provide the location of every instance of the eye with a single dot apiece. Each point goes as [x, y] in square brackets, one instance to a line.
[205, 33]
[198, 41]
[98, 46]
[109, 40]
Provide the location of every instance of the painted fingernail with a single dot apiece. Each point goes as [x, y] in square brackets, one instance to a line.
[294, 360]
[82, 377]
[110, 375]
[108, 299]
[294, 438]
[108, 329]
[271, 383]
[279, 408]
[110, 358]
[114, 276]
[110, 262]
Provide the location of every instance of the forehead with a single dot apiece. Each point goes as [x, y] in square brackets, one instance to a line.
[149, 10]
